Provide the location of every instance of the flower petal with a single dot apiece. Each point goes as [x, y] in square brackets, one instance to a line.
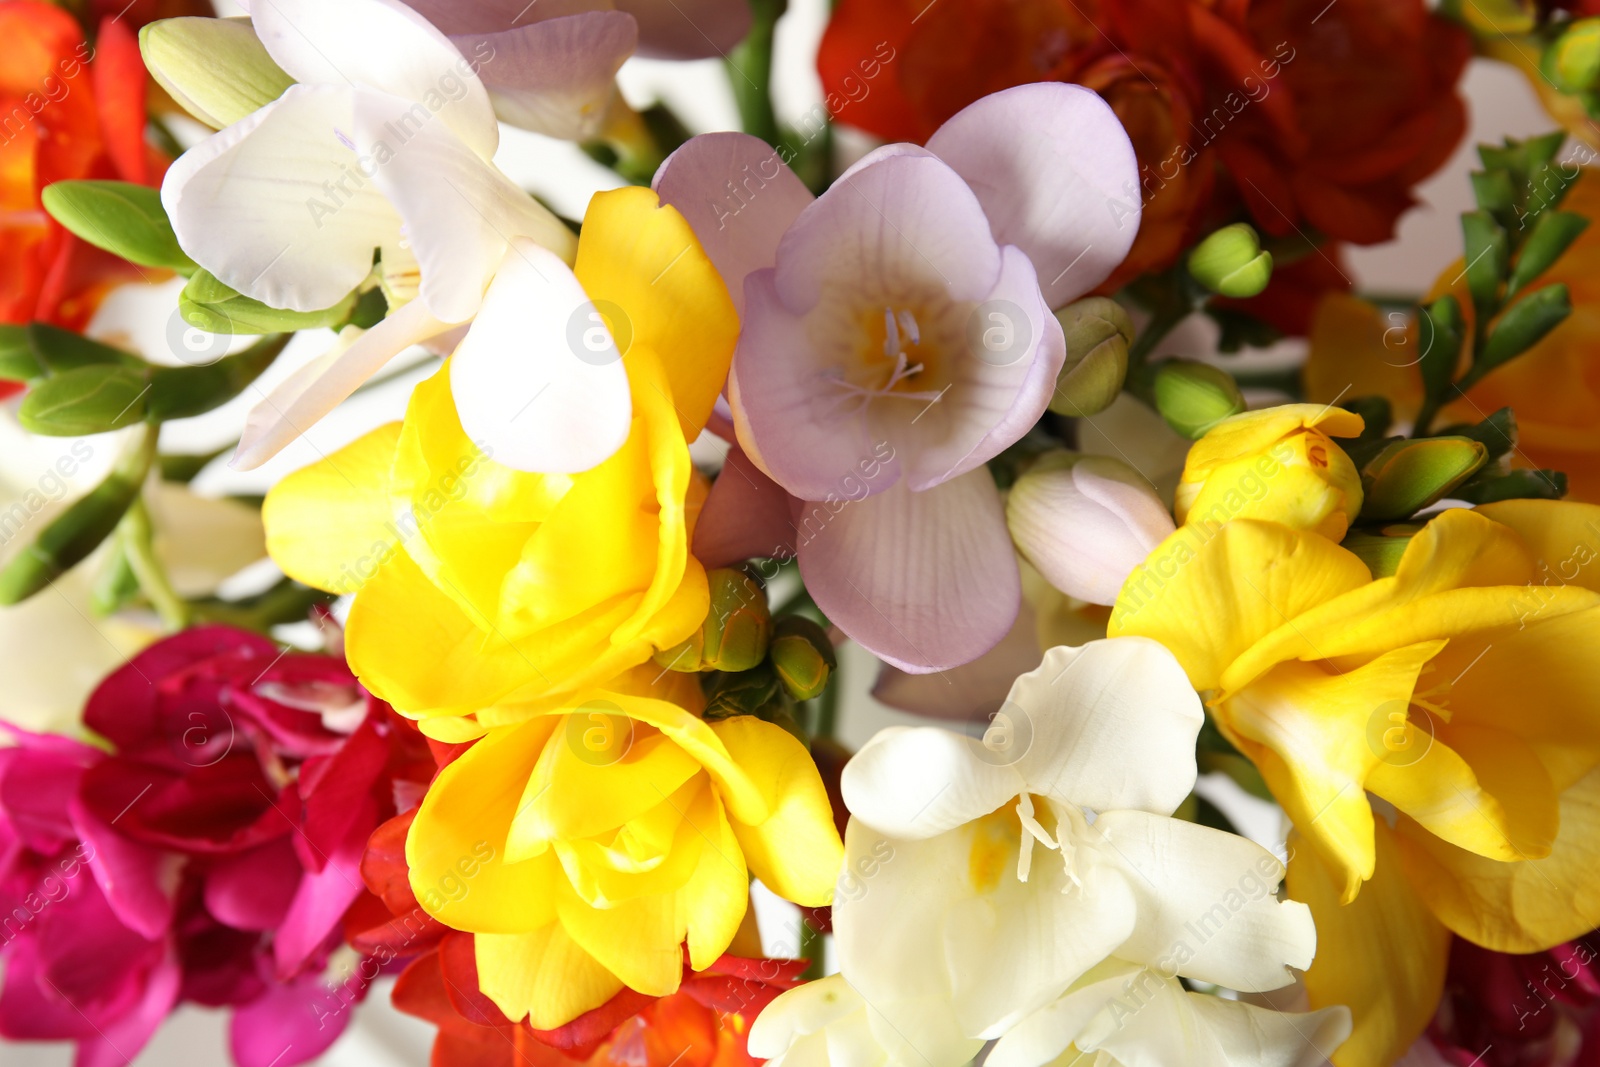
[688, 29]
[555, 76]
[306, 396]
[1056, 175]
[695, 180]
[387, 46]
[543, 976]
[526, 393]
[1207, 902]
[1383, 956]
[918, 782]
[746, 516]
[251, 203]
[1109, 726]
[924, 580]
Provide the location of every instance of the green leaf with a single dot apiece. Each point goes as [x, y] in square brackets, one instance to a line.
[1442, 327]
[1523, 325]
[1486, 250]
[79, 530]
[17, 361]
[59, 350]
[1493, 192]
[184, 392]
[1515, 485]
[125, 219]
[1552, 235]
[210, 305]
[86, 400]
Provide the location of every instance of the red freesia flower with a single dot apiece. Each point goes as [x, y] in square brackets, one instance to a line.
[211, 857]
[1298, 115]
[1501, 1010]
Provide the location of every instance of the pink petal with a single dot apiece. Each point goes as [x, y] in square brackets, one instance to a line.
[335, 791]
[323, 898]
[971, 692]
[556, 76]
[1057, 176]
[253, 890]
[290, 1023]
[739, 198]
[688, 29]
[746, 516]
[119, 1041]
[139, 882]
[925, 581]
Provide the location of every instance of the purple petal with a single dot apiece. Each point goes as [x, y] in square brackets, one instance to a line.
[926, 581]
[253, 890]
[739, 198]
[1057, 176]
[556, 76]
[971, 692]
[688, 29]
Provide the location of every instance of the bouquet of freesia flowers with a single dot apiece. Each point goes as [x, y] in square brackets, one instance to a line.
[959, 576]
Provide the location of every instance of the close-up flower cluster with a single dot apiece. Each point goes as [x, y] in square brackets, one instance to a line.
[883, 533]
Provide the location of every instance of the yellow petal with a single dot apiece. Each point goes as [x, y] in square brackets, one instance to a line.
[653, 855]
[1256, 430]
[1311, 732]
[639, 940]
[1562, 535]
[329, 525]
[543, 976]
[1209, 598]
[643, 260]
[1521, 907]
[456, 847]
[1383, 956]
[714, 903]
[796, 851]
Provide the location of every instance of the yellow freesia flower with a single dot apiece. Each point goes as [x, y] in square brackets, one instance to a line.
[479, 588]
[1436, 732]
[585, 845]
[1278, 464]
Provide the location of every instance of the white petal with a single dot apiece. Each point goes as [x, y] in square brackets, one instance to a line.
[538, 382]
[274, 205]
[1050, 1031]
[916, 782]
[200, 540]
[1113, 726]
[384, 45]
[1057, 176]
[801, 1011]
[321, 385]
[459, 210]
[739, 198]
[1207, 902]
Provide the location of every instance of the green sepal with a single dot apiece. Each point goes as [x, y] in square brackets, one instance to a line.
[1515, 485]
[1524, 325]
[1553, 233]
[123, 218]
[209, 304]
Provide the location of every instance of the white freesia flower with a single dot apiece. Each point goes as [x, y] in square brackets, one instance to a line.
[986, 880]
[385, 143]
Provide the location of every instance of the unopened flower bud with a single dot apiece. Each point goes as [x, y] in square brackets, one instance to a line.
[1098, 332]
[216, 69]
[1279, 465]
[1231, 263]
[1193, 397]
[802, 655]
[1408, 476]
[1380, 551]
[736, 632]
[1572, 61]
[1085, 522]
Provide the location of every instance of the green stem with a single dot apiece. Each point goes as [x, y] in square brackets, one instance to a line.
[812, 946]
[138, 544]
[1140, 381]
[750, 73]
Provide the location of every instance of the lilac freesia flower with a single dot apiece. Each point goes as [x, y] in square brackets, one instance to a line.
[897, 334]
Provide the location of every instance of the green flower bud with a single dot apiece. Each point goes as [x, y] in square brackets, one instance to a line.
[211, 305]
[1231, 263]
[1410, 475]
[1193, 397]
[1098, 333]
[753, 692]
[125, 219]
[1381, 551]
[736, 632]
[803, 656]
[1572, 61]
[216, 69]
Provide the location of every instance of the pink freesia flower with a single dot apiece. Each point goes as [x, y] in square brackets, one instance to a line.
[897, 334]
[209, 859]
[1503, 1010]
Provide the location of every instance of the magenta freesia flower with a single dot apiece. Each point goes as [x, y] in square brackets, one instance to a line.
[897, 334]
[210, 858]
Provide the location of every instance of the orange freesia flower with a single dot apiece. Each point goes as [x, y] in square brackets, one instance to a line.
[1302, 115]
[68, 109]
[1554, 387]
